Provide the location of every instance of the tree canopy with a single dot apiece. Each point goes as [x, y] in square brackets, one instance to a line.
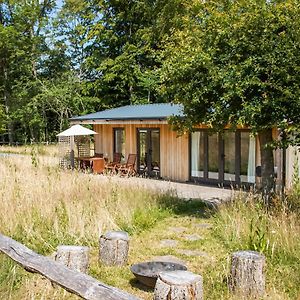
[80, 57]
[236, 63]
[227, 62]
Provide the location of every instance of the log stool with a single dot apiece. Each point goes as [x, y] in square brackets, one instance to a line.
[247, 274]
[74, 257]
[175, 285]
[114, 246]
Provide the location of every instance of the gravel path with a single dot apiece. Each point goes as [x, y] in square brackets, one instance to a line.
[211, 195]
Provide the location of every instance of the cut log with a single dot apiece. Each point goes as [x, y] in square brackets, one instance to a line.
[74, 257]
[114, 246]
[247, 274]
[75, 282]
[177, 285]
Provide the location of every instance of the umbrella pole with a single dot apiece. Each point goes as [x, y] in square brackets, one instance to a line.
[72, 151]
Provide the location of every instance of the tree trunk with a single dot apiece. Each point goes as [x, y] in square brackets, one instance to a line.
[6, 96]
[114, 247]
[247, 274]
[74, 257]
[33, 51]
[267, 163]
[131, 94]
[175, 285]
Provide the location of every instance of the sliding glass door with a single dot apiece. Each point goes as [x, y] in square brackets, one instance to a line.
[228, 158]
[148, 151]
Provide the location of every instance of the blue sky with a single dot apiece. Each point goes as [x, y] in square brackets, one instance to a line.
[59, 3]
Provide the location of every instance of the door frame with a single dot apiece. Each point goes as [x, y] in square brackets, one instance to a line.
[148, 145]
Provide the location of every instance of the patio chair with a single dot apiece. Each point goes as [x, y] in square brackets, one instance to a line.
[98, 166]
[127, 168]
[98, 155]
[111, 166]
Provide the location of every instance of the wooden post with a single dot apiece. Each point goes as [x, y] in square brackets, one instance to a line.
[114, 247]
[247, 274]
[175, 285]
[74, 257]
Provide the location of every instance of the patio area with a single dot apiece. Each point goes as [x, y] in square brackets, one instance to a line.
[209, 194]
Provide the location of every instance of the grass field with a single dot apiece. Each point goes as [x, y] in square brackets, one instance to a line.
[43, 207]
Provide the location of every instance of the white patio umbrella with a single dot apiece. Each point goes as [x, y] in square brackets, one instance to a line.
[71, 132]
[77, 130]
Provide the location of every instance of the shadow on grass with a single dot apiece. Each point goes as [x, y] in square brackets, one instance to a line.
[182, 207]
[136, 284]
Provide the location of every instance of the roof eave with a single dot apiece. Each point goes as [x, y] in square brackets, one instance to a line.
[120, 121]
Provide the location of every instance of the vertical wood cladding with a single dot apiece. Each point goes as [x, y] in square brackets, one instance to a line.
[174, 150]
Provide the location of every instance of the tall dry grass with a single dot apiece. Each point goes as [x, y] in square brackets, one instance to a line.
[44, 206]
[39, 149]
[41, 202]
[246, 223]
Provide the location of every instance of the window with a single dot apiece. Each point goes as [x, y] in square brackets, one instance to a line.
[119, 141]
[228, 158]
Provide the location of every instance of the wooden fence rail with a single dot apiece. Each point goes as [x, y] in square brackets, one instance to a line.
[75, 282]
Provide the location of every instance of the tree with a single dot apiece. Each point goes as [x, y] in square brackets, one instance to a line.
[21, 40]
[2, 119]
[126, 53]
[73, 25]
[237, 63]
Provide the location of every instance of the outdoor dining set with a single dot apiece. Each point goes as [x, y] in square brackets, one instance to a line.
[98, 164]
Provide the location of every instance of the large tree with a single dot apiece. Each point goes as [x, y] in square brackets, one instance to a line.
[127, 46]
[21, 39]
[237, 63]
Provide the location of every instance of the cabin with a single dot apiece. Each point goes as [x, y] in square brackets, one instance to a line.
[232, 158]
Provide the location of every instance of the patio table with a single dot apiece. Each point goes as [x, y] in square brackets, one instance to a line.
[87, 161]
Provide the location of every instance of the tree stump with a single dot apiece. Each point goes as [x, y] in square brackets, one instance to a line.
[247, 274]
[178, 285]
[74, 257]
[114, 246]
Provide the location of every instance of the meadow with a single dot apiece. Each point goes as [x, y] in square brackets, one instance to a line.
[43, 206]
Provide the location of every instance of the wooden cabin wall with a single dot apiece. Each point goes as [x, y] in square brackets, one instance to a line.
[174, 151]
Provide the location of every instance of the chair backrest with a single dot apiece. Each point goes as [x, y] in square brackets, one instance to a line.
[117, 157]
[98, 166]
[131, 160]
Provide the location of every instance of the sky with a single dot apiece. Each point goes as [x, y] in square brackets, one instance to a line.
[59, 3]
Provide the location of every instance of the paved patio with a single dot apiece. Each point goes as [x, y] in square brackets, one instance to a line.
[209, 194]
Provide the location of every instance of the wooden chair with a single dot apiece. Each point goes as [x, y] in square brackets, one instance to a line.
[127, 168]
[98, 155]
[111, 166]
[98, 166]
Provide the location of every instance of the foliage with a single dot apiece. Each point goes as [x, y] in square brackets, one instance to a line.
[81, 57]
[127, 47]
[21, 27]
[236, 63]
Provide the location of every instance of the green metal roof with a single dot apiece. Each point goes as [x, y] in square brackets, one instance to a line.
[135, 112]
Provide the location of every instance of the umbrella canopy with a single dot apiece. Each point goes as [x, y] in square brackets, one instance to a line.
[77, 130]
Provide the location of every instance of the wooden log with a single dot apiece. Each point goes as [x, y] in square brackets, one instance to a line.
[177, 285]
[74, 257]
[114, 246]
[75, 282]
[247, 274]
